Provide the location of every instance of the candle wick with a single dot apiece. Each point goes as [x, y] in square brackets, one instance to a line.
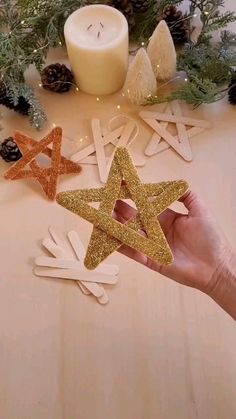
[98, 35]
[90, 26]
[101, 24]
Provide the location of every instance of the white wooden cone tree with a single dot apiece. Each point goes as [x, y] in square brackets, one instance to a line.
[161, 51]
[140, 81]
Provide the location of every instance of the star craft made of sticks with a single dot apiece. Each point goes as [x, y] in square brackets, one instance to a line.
[27, 167]
[119, 137]
[109, 234]
[162, 139]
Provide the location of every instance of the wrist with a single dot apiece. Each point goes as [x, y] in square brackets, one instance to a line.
[222, 287]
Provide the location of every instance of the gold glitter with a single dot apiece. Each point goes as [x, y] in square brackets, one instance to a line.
[108, 234]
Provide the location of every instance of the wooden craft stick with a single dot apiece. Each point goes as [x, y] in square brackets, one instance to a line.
[182, 136]
[59, 252]
[172, 118]
[155, 140]
[79, 250]
[100, 152]
[139, 161]
[74, 264]
[76, 244]
[157, 147]
[74, 274]
[103, 299]
[53, 248]
[168, 138]
[59, 240]
[108, 138]
[122, 142]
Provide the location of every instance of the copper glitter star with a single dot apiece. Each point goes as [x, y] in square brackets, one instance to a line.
[109, 234]
[47, 177]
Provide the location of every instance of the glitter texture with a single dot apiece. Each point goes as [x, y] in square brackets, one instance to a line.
[47, 177]
[108, 234]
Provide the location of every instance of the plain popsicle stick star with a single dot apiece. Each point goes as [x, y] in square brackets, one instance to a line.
[163, 139]
[119, 137]
[109, 234]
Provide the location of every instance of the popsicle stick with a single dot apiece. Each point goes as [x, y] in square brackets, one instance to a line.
[122, 142]
[59, 240]
[60, 251]
[100, 152]
[139, 161]
[103, 299]
[175, 119]
[182, 132]
[74, 264]
[156, 139]
[163, 145]
[90, 149]
[74, 274]
[53, 248]
[76, 244]
[168, 138]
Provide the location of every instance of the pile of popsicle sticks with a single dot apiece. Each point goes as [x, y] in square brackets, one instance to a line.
[66, 261]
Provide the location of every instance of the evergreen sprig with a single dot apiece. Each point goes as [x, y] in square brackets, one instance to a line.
[195, 91]
[29, 28]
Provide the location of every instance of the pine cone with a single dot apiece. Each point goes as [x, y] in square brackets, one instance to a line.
[177, 23]
[125, 7]
[232, 90]
[9, 150]
[22, 106]
[140, 6]
[57, 78]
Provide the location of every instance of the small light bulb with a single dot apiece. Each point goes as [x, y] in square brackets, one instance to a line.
[206, 13]
[60, 43]
[77, 89]
[195, 15]
[118, 106]
[10, 33]
[98, 99]
[128, 90]
[185, 79]
[158, 65]
[81, 140]
[142, 43]
[22, 22]
[34, 51]
[40, 84]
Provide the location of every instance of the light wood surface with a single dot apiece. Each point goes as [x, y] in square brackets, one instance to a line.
[157, 350]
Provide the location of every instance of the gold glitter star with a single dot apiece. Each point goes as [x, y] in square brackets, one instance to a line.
[109, 234]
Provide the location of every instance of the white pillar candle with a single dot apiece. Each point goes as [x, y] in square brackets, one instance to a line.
[97, 44]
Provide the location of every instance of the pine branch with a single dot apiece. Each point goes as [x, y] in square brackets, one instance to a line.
[195, 92]
[147, 22]
[213, 63]
[36, 114]
[220, 22]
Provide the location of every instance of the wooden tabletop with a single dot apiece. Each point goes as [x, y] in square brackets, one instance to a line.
[157, 350]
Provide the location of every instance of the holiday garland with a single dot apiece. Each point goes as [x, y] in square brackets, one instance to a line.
[28, 28]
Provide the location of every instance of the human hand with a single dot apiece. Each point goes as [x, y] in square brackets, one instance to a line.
[199, 247]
